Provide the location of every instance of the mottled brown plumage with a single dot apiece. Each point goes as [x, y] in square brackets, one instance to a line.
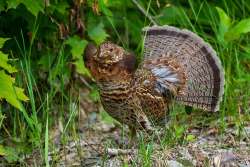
[178, 65]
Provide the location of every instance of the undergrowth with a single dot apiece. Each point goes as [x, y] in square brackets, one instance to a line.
[44, 41]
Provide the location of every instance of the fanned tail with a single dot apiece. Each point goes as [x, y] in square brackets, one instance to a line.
[203, 69]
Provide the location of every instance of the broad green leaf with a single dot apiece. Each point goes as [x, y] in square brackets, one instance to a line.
[2, 41]
[77, 46]
[4, 63]
[20, 94]
[34, 6]
[9, 92]
[80, 68]
[97, 33]
[13, 3]
[240, 28]
[225, 23]
[4, 58]
[224, 18]
[61, 7]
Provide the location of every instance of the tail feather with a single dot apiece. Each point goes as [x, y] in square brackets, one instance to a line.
[203, 69]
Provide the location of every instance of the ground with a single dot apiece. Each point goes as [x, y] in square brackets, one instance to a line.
[105, 144]
[93, 139]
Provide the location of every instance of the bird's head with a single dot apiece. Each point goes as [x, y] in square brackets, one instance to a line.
[108, 62]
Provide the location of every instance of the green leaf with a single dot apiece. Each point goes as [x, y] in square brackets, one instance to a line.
[97, 33]
[2, 41]
[171, 15]
[13, 3]
[177, 15]
[2, 151]
[80, 68]
[4, 64]
[61, 7]
[179, 130]
[20, 94]
[104, 9]
[9, 153]
[77, 46]
[4, 58]
[240, 28]
[190, 138]
[224, 18]
[34, 6]
[9, 92]
[225, 23]
[119, 4]
[2, 5]
[105, 117]
[94, 94]
[46, 61]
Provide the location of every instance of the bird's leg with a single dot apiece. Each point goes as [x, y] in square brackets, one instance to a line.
[125, 147]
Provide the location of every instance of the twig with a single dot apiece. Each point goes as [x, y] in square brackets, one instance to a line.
[116, 152]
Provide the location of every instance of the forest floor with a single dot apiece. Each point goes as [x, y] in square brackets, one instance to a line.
[104, 144]
[93, 139]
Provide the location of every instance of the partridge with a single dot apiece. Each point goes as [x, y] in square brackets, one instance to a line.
[178, 66]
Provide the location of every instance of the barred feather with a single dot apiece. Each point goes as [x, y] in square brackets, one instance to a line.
[203, 69]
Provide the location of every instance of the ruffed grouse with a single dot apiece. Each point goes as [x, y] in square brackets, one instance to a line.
[178, 65]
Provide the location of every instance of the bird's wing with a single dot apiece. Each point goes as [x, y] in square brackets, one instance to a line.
[167, 76]
[201, 67]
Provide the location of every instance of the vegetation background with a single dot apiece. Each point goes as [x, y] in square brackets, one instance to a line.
[42, 73]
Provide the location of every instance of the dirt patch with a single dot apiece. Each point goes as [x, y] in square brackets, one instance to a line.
[102, 144]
